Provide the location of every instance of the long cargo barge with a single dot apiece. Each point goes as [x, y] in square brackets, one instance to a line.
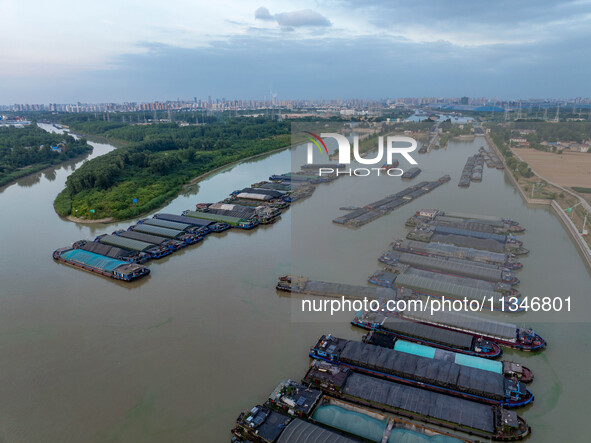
[453, 251]
[429, 235]
[154, 251]
[173, 234]
[112, 251]
[411, 173]
[149, 238]
[433, 284]
[482, 420]
[509, 369]
[428, 335]
[99, 264]
[505, 334]
[236, 222]
[212, 225]
[453, 266]
[429, 373]
[475, 222]
[189, 228]
[318, 407]
[361, 216]
[303, 285]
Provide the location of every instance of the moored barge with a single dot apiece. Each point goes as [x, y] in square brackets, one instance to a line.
[453, 251]
[173, 234]
[212, 225]
[189, 228]
[264, 425]
[236, 222]
[509, 369]
[426, 334]
[505, 334]
[411, 173]
[154, 251]
[112, 251]
[497, 297]
[149, 238]
[99, 264]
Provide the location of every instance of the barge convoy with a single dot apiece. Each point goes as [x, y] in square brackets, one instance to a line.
[432, 372]
[118, 255]
[361, 216]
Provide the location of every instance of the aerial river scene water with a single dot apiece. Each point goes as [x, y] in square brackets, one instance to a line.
[177, 355]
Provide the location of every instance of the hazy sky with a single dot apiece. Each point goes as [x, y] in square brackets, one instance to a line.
[64, 51]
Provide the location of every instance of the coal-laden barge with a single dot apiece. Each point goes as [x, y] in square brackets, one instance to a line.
[477, 419]
[485, 223]
[429, 373]
[502, 333]
[509, 369]
[457, 341]
[435, 249]
[99, 264]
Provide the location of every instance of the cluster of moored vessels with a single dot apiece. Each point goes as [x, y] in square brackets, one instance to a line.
[465, 230]
[416, 375]
[491, 159]
[405, 380]
[444, 268]
[361, 216]
[472, 171]
[121, 255]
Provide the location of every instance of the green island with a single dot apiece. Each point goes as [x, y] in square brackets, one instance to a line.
[30, 149]
[157, 160]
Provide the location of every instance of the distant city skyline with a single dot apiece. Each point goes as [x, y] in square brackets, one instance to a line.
[66, 51]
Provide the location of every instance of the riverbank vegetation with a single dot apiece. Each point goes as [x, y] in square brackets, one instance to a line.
[501, 136]
[158, 161]
[30, 149]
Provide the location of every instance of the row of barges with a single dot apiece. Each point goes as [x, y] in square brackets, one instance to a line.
[361, 216]
[121, 254]
[491, 159]
[435, 369]
[472, 171]
[355, 391]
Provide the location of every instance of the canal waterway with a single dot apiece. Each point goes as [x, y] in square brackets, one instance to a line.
[177, 355]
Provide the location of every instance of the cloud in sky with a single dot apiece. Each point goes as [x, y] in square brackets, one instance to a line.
[293, 19]
[367, 49]
[263, 13]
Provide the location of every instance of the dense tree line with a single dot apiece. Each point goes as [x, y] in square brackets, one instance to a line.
[28, 149]
[500, 136]
[553, 132]
[155, 168]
